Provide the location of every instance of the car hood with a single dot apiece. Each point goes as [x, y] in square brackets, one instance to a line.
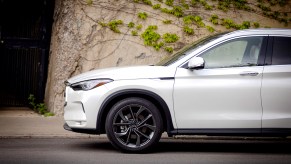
[122, 73]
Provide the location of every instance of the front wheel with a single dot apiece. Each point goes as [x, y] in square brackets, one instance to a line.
[134, 125]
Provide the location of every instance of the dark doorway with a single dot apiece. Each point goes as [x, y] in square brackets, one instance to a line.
[25, 31]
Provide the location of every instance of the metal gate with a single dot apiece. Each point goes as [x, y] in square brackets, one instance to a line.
[24, 44]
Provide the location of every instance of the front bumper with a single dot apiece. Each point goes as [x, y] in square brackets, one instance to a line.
[81, 107]
[86, 131]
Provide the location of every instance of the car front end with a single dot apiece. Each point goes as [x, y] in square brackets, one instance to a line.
[88, 93]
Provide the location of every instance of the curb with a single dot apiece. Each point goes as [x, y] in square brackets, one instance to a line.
[52, 136]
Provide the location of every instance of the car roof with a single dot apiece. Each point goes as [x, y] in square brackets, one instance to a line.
[261, 31]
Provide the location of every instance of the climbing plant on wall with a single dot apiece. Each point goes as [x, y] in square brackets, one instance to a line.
[190, 20]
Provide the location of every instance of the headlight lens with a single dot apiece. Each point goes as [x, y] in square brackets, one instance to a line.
[89, 84]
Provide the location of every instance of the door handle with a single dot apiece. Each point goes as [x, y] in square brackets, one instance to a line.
[249, 73]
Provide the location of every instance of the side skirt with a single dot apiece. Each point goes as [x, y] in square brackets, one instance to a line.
[233, 132]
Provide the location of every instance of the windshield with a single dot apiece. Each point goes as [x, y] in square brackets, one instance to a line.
[188, 49]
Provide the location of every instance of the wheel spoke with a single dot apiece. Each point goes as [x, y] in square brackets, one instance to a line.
[137, 139]
[143, 121]
[139, 110]
[153, 128]
[131, 113]
[122, 116]
[121, 134]
[121, 124]
[128, 137]
[148, 137]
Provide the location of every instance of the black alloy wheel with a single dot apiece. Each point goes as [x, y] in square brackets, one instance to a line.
[134, 125]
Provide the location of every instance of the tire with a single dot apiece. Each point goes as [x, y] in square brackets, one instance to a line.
[134, 125]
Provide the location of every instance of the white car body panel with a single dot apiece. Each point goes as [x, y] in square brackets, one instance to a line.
[163, 88]
[209, 98]
[276, 96]
[82, 107]
[124, 73]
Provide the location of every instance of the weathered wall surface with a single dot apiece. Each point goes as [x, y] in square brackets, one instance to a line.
[82, 40]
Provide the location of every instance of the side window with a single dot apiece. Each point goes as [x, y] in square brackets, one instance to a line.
[281, 51]
[234, 53]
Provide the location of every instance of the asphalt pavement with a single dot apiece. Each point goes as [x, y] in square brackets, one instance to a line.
[167, 151]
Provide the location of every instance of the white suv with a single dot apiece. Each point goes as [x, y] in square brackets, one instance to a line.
[236, 83]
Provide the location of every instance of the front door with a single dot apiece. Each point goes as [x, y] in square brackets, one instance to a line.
[226, 93]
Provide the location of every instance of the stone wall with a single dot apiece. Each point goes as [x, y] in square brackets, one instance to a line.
[82, 40]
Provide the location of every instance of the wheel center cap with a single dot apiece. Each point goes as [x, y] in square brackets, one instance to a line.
[133, 125]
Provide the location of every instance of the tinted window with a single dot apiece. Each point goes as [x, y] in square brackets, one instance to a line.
[234, 53]
[281, 51]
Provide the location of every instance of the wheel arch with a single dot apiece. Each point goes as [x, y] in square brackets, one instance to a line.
[117, 96]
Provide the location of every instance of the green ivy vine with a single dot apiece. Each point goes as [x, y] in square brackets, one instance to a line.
[188, 30]
[180, 9]
[152, 38]
[131, 25]
[143, 15]
[150, 35]
[170, 38]
[113, 25]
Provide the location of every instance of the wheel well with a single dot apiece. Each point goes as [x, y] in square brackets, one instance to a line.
[155, 99]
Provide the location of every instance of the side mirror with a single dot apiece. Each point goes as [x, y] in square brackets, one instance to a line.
[196, 63]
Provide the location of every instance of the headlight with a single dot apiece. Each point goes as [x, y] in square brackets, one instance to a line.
[89, 84]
